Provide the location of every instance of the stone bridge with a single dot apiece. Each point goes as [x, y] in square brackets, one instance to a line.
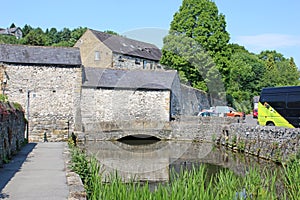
[187, 128]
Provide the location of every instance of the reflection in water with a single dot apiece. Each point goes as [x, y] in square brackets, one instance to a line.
[153, 161]
[139, 140]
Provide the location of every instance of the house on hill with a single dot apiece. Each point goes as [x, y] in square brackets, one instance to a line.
[46, 81]
[103, 50]
[16, 31]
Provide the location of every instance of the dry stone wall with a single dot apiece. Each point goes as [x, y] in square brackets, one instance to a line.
[272, 143]
[12, 130]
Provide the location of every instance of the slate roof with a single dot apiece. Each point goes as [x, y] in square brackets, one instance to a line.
[126, 46]
[129, 79]
[21, 54]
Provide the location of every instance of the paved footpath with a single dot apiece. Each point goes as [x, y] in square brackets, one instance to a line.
[37, 172]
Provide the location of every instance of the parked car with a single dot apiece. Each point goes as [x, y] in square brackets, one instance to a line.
[226, 111]
[233, 113]
[255, 113]
[207, 113]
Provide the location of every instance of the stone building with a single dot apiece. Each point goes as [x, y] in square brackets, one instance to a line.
[61, 96]
[103, 50]
[129, 95]
[46, 81]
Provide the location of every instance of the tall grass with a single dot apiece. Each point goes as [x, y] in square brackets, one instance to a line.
[194, 184]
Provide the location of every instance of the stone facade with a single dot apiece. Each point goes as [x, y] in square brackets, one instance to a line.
[102, 50]
[129, 62]
[93, 52]
[12, 129]
[50, 96]
[113, 105]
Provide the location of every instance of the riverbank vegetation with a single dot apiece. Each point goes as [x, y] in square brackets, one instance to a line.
[192, 184]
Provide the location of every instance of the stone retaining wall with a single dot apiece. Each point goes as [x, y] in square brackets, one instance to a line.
[12, 129]
[273, 143]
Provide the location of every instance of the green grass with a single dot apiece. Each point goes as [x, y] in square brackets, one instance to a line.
[194, 184]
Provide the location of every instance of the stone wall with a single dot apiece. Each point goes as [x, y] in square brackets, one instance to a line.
[193, 100]
[50, 96]
[128, 62]
[93, 52]
[12, 130]
[191, 128]
[274, 143]
[271, 143]
[115, 105]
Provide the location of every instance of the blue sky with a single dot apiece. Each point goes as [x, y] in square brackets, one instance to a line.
[257, 25]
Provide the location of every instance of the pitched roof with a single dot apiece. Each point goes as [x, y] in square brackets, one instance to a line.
[126, 46]
[129, 79]
[22, 54]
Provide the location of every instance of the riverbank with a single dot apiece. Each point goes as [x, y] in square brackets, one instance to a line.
[190, 184]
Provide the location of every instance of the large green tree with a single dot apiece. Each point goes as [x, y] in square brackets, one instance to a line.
[196, 45]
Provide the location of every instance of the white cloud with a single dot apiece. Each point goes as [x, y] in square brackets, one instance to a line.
[269, 41]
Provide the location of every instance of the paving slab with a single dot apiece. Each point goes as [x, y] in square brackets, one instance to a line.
[36, 172]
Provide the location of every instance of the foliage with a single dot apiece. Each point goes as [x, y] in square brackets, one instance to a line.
[3, 98]
[291, 178]
[192, 184]
[197, 47]
[111, 32]
[17, 106]
[199, 21]
[49, 37]
[7, 39]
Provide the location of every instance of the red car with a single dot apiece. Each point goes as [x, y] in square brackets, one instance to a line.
[255, 113]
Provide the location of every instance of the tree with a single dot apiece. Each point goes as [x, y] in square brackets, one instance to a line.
[246, 72]
[64, 35]
[280, 71]
[35, 37]
[197, 44]
[194, 65]
[26, 29]
[8, 39]
[12, 25]
[111, 32]
[53, 36]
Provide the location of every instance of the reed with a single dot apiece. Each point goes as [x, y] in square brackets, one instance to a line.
[193, 184]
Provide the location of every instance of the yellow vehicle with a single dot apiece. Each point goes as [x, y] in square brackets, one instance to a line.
[279, 106]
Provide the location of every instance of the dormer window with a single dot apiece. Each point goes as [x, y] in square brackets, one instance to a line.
[97, 55]
[137, 61]
[121, 59]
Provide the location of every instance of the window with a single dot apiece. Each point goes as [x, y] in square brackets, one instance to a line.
[121, 59]
[137, 61]
[293, 101]
[97, 55]
[276, 101]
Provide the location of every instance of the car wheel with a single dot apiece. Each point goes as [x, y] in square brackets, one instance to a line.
[270, 124]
